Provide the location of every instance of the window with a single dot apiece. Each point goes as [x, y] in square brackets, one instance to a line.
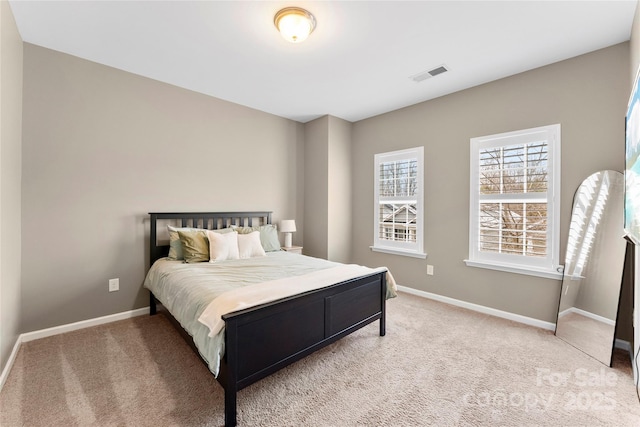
[515, 202]
[398, 202]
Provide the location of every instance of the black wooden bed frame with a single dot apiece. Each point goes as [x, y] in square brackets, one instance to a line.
[263, 339]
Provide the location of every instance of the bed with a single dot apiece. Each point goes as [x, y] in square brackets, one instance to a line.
[259, 340]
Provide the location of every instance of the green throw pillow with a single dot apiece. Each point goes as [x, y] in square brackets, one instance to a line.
[175, 245]
[195, 246]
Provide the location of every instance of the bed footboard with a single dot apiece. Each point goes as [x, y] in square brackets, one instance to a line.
[261, 340]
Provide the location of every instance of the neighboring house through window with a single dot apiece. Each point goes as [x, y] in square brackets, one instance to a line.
[398, 208]
[515, 202]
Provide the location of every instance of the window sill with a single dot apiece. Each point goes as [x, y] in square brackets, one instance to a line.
[518, 269]
[421, 255]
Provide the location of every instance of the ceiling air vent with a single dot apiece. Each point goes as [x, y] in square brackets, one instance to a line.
[428, 74]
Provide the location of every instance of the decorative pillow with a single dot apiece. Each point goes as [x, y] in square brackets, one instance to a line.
[175, 245]
[249, 245]
[195, 245]
[222, 246]
[268, 235]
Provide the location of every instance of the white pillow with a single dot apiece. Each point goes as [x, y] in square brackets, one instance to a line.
[222, 246]
[249, 245]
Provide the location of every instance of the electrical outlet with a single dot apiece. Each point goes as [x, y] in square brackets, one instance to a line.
[114, 285]
[429, 270]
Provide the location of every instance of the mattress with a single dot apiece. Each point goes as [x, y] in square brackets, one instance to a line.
[186, 290]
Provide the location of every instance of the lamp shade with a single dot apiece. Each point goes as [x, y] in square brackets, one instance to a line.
[288, 226]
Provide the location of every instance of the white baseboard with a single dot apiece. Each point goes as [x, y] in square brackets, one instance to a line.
[481, 309]
[9, 365]
[56, 330]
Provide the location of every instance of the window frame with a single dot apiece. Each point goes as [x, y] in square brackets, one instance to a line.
[548, 266]
[400, 248]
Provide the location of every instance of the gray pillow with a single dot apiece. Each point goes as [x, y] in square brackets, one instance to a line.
[268, 235]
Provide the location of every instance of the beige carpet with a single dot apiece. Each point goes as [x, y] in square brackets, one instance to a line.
[438, 365]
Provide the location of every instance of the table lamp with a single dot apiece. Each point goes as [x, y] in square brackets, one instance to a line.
[287, 226]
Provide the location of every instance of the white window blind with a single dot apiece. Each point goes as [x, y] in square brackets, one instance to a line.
[398, 202]
[514, 199]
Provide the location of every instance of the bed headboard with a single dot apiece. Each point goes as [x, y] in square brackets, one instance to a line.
[206, 220]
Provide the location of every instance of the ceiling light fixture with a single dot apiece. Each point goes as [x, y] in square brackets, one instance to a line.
[294, 23]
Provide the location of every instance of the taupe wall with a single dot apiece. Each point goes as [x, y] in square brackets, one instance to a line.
[101, 149]
[339, 184]
[10, 175]
[587, 95]
[316, 158]
[327, 177]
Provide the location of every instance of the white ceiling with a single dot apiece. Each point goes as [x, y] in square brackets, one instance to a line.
[357, 62]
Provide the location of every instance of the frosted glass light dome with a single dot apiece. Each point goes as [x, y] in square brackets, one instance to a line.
[294, 23]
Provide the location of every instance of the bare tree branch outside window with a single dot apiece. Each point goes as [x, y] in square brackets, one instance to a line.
[512, 219]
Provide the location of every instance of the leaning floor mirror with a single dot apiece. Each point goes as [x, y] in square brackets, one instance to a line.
[594, 264]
